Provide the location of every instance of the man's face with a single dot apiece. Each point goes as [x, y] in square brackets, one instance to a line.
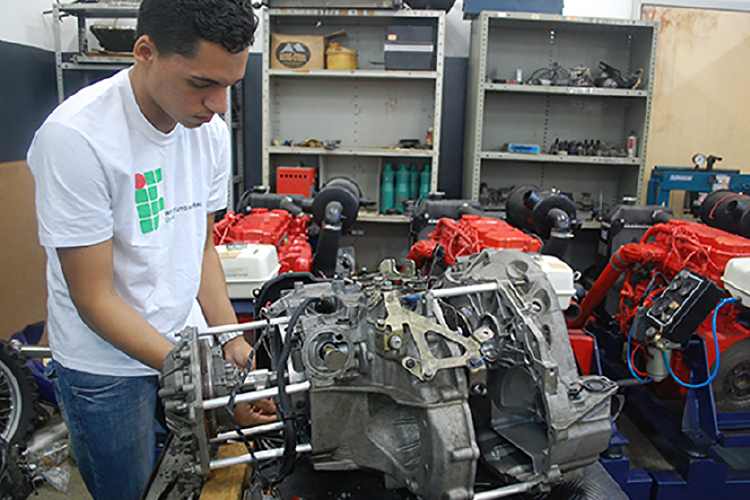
[190, 91]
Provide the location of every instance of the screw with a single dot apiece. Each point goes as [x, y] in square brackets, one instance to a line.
[410, 363]
[475, 362]
[478, 389]
[395, 342]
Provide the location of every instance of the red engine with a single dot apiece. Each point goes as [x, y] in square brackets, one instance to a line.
[701, 249]
[650, 265]
[471, 235]
[273, 227]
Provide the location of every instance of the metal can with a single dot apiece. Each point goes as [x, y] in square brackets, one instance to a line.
[632, 145]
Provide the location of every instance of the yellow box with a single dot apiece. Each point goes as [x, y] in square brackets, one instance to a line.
[297, 52]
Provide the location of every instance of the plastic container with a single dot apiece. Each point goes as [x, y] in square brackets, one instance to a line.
[425, 178]
[560, 276]
[413, 182]
[737, 279]
[338, 57]
[386, 188]
[402, 188]
[247, 266]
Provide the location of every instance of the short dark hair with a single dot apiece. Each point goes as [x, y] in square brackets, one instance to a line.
[177, 26]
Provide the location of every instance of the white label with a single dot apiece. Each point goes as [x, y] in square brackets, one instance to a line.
[680, 178]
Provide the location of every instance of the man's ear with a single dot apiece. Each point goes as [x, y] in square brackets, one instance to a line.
[144, 50]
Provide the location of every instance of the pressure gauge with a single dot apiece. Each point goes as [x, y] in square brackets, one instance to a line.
[699, 159]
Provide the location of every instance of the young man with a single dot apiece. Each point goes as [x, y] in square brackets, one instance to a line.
[129, 172]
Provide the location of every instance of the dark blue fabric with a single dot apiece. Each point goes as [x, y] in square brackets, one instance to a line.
[111, 424]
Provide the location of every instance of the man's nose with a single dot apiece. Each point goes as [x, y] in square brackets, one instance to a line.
[217, 101]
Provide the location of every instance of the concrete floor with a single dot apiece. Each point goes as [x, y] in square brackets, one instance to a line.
[76, 490]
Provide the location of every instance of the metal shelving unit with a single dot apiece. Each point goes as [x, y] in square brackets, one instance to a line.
[368, 109]
[86, 61]
[499, 112]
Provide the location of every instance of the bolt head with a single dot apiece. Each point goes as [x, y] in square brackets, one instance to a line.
[395, 342]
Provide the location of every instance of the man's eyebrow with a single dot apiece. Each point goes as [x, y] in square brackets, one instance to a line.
[205, 80]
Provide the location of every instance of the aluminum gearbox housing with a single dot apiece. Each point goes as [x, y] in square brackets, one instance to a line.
[421, 378]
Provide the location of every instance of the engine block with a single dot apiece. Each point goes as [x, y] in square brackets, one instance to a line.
[421, 379]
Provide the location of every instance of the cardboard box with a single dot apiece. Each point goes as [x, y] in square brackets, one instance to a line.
[297, 52]
[23, 289]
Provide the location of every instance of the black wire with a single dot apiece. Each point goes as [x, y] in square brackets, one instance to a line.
[231, 404]
[284, 408]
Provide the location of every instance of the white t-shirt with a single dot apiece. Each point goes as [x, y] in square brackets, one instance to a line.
[103, 171]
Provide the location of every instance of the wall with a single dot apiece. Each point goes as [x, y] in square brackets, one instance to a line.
[701, 101]
[22, 287]
[29, 22]
[23, 22]
[27, 95]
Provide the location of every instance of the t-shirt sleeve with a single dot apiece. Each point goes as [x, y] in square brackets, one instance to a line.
[73, 195]
[217, 197]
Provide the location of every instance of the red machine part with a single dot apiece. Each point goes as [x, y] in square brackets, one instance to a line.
[471, 235]
[667, 249]
[583, 349]
[272, 227]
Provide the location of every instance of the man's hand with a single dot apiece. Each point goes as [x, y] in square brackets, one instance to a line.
[255, 413]
[237, 351]
[258, 412]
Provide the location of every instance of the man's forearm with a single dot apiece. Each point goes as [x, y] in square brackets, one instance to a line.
[89, 274]
[212, 295]
[119, 324]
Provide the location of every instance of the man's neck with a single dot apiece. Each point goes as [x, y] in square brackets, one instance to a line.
[150, 109]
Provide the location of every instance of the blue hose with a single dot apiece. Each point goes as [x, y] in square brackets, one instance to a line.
[730, 300]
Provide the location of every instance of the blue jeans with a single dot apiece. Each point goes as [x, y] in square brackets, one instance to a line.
[111, 424]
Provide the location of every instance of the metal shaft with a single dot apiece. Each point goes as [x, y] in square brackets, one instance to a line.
[36, 351]
[250, 431]
[505, 491]
[241, 327]
[464, 290]
[247, 397]
[260, 456]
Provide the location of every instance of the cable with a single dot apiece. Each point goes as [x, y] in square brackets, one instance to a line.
[632, 360]
[231, 404]
[286, 412]
[730, 300]
[630, 363]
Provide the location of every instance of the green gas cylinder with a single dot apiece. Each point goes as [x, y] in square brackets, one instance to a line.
[402, 188]
[413, 182]
[425, 181]
[386, 188]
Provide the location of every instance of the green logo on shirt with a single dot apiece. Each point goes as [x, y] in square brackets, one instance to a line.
[148, 203]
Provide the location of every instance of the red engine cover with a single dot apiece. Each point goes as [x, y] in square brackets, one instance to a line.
[471, 235]
[698, 247]
[494, 233]
[272, 227]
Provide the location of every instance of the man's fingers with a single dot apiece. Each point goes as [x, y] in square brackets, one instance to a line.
[265, 405]
[250, 415]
